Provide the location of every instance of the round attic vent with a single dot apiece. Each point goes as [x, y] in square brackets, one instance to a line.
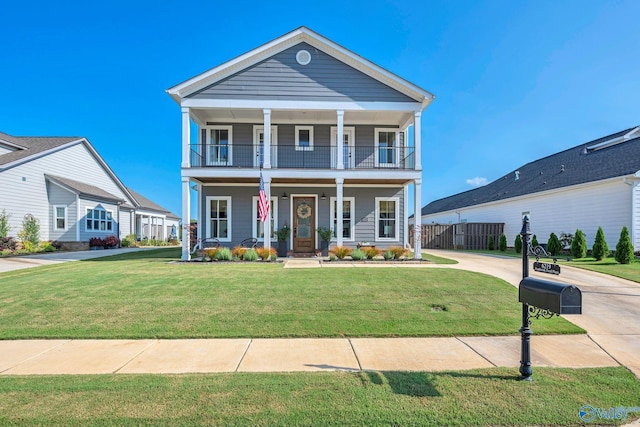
[303, 57]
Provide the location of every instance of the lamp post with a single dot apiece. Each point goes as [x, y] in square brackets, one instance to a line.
[525, 330]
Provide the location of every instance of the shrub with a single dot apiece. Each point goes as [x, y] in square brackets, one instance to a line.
[358, 255]
[265, 253]
[131, 241]
[27, 247]
[111, 242]
[624, 248]
[4, 224]
[553, 245]
[340, 252]
[210, 253]
[224, 254]
[502, 243]
[96, 241]
[579, 245]
[490, 244]
[30, 231]
[534, 241]
[47, 247]
[238, 252]
[600, 249]
[388, 255]
[398, 251]
[8, 243]
[371, 252]
[517, 244]
[250, 255]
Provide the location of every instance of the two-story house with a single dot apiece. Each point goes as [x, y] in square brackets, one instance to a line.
[336, 138]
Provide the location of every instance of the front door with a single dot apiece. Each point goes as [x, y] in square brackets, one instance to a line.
[304, 231]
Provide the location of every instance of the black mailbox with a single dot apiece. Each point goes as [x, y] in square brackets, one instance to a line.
[555, 297]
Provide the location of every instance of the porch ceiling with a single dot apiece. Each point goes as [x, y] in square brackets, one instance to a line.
[300, 181]
[241, 115]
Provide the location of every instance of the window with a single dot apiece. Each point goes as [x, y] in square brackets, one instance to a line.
[60, 217]
[218, 146]
[348, 151]
[386, 147]
[347, 225]
[387, 218]
[304, 138]
[258, 226]
[219, 218]
[258, 142]
[99, 220]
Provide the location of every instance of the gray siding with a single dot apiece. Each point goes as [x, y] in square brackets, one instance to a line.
[61, 197]
[281, 77]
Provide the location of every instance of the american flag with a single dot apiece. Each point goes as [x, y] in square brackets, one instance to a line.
[263, 202]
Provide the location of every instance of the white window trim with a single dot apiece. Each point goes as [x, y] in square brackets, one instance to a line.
[272, 212]
[55, 218]
[396, 141]
[106, 230]
[332, 215]
[207, 145]
[348, 130]
[274, 144]
[229, 217]
[377, 219]
[298, 129]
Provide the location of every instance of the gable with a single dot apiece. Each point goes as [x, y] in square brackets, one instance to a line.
[281, 77]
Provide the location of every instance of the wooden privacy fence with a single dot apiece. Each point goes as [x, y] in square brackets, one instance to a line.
[467, 235]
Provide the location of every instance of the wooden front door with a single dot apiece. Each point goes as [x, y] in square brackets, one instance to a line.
[304, 225]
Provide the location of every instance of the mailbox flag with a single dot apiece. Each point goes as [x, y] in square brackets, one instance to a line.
[263, 202]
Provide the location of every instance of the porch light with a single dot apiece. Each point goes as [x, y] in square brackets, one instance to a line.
[284, 196]
[323, 197]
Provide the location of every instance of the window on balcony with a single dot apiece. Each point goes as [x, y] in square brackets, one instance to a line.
[348, 151]
[387, 218]
[258, 226]
[218, 146]
[304, 138]
[258, 144]
[347, 223]
[219, 217]
[386, 147]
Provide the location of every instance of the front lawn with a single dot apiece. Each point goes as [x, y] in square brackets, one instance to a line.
[142, 295]
[608, 266]
[483, 397]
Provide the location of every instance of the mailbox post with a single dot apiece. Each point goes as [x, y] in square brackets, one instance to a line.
[541, 298]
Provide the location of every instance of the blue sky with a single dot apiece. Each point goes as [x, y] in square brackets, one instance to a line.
[514, 80]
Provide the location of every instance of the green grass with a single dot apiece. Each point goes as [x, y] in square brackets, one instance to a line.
[486, 397]
[608, 266]
[141, 295]
[436, 259]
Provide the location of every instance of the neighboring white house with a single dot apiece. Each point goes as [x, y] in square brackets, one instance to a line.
[68, 187]
[595, 184]
[337, 152]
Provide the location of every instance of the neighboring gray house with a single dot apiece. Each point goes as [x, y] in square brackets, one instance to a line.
[74, 194]
[595, 184]
[337, 152]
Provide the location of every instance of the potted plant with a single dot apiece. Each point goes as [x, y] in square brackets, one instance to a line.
[283, 235]
[325, 236]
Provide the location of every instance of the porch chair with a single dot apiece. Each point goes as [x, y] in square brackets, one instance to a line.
[249, 243]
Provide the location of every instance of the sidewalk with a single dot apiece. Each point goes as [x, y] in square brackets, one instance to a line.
[53, 357]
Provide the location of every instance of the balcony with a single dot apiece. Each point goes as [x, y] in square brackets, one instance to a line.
[295, 157]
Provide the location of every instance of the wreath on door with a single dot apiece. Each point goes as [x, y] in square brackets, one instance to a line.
[304, 211]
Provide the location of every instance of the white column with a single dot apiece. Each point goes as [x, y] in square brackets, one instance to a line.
[186, 138]
[149, 227]
[267, 224]
[164, 229]
[199, 214]
[340, 141]
[339, 212]
[417, 216]
[186, 220]
[267, 138]
[417, 141]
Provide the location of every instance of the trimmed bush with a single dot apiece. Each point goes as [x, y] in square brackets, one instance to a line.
[517, 244]
[210, 253]
[358, 255]
[341, 252]
[131, 241]
[579, 245]
[250, 255]
[111, 242]
[30, 231]
[4, 224]
[266, 254]
[96, 242]
[553, 245]
[224, 254]
[47, 247]
[502, 243]
[371, 252]
[398, 251]
[600, 249]
[490, 243]
[238, 252]
[534, 241]
[624, 248]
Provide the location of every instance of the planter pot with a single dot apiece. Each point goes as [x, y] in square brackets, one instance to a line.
[282, 248]
[96, 248]
[324, 248]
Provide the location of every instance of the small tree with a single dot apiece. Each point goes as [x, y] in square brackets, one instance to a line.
[490, 243]
[624, 248]
[30, 231]
[518, 244]
[553, 245]
[600, 249]
[534, 241]
[579, 245]
[4, 224]
[502, 243]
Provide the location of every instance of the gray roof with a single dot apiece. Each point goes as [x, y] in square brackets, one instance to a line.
[150, 205]
[85, 190]
[32, 145]
[577, 165]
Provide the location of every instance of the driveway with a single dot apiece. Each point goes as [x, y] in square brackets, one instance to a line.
[610, 305]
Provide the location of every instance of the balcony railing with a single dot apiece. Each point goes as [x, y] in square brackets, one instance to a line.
[291, 156]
